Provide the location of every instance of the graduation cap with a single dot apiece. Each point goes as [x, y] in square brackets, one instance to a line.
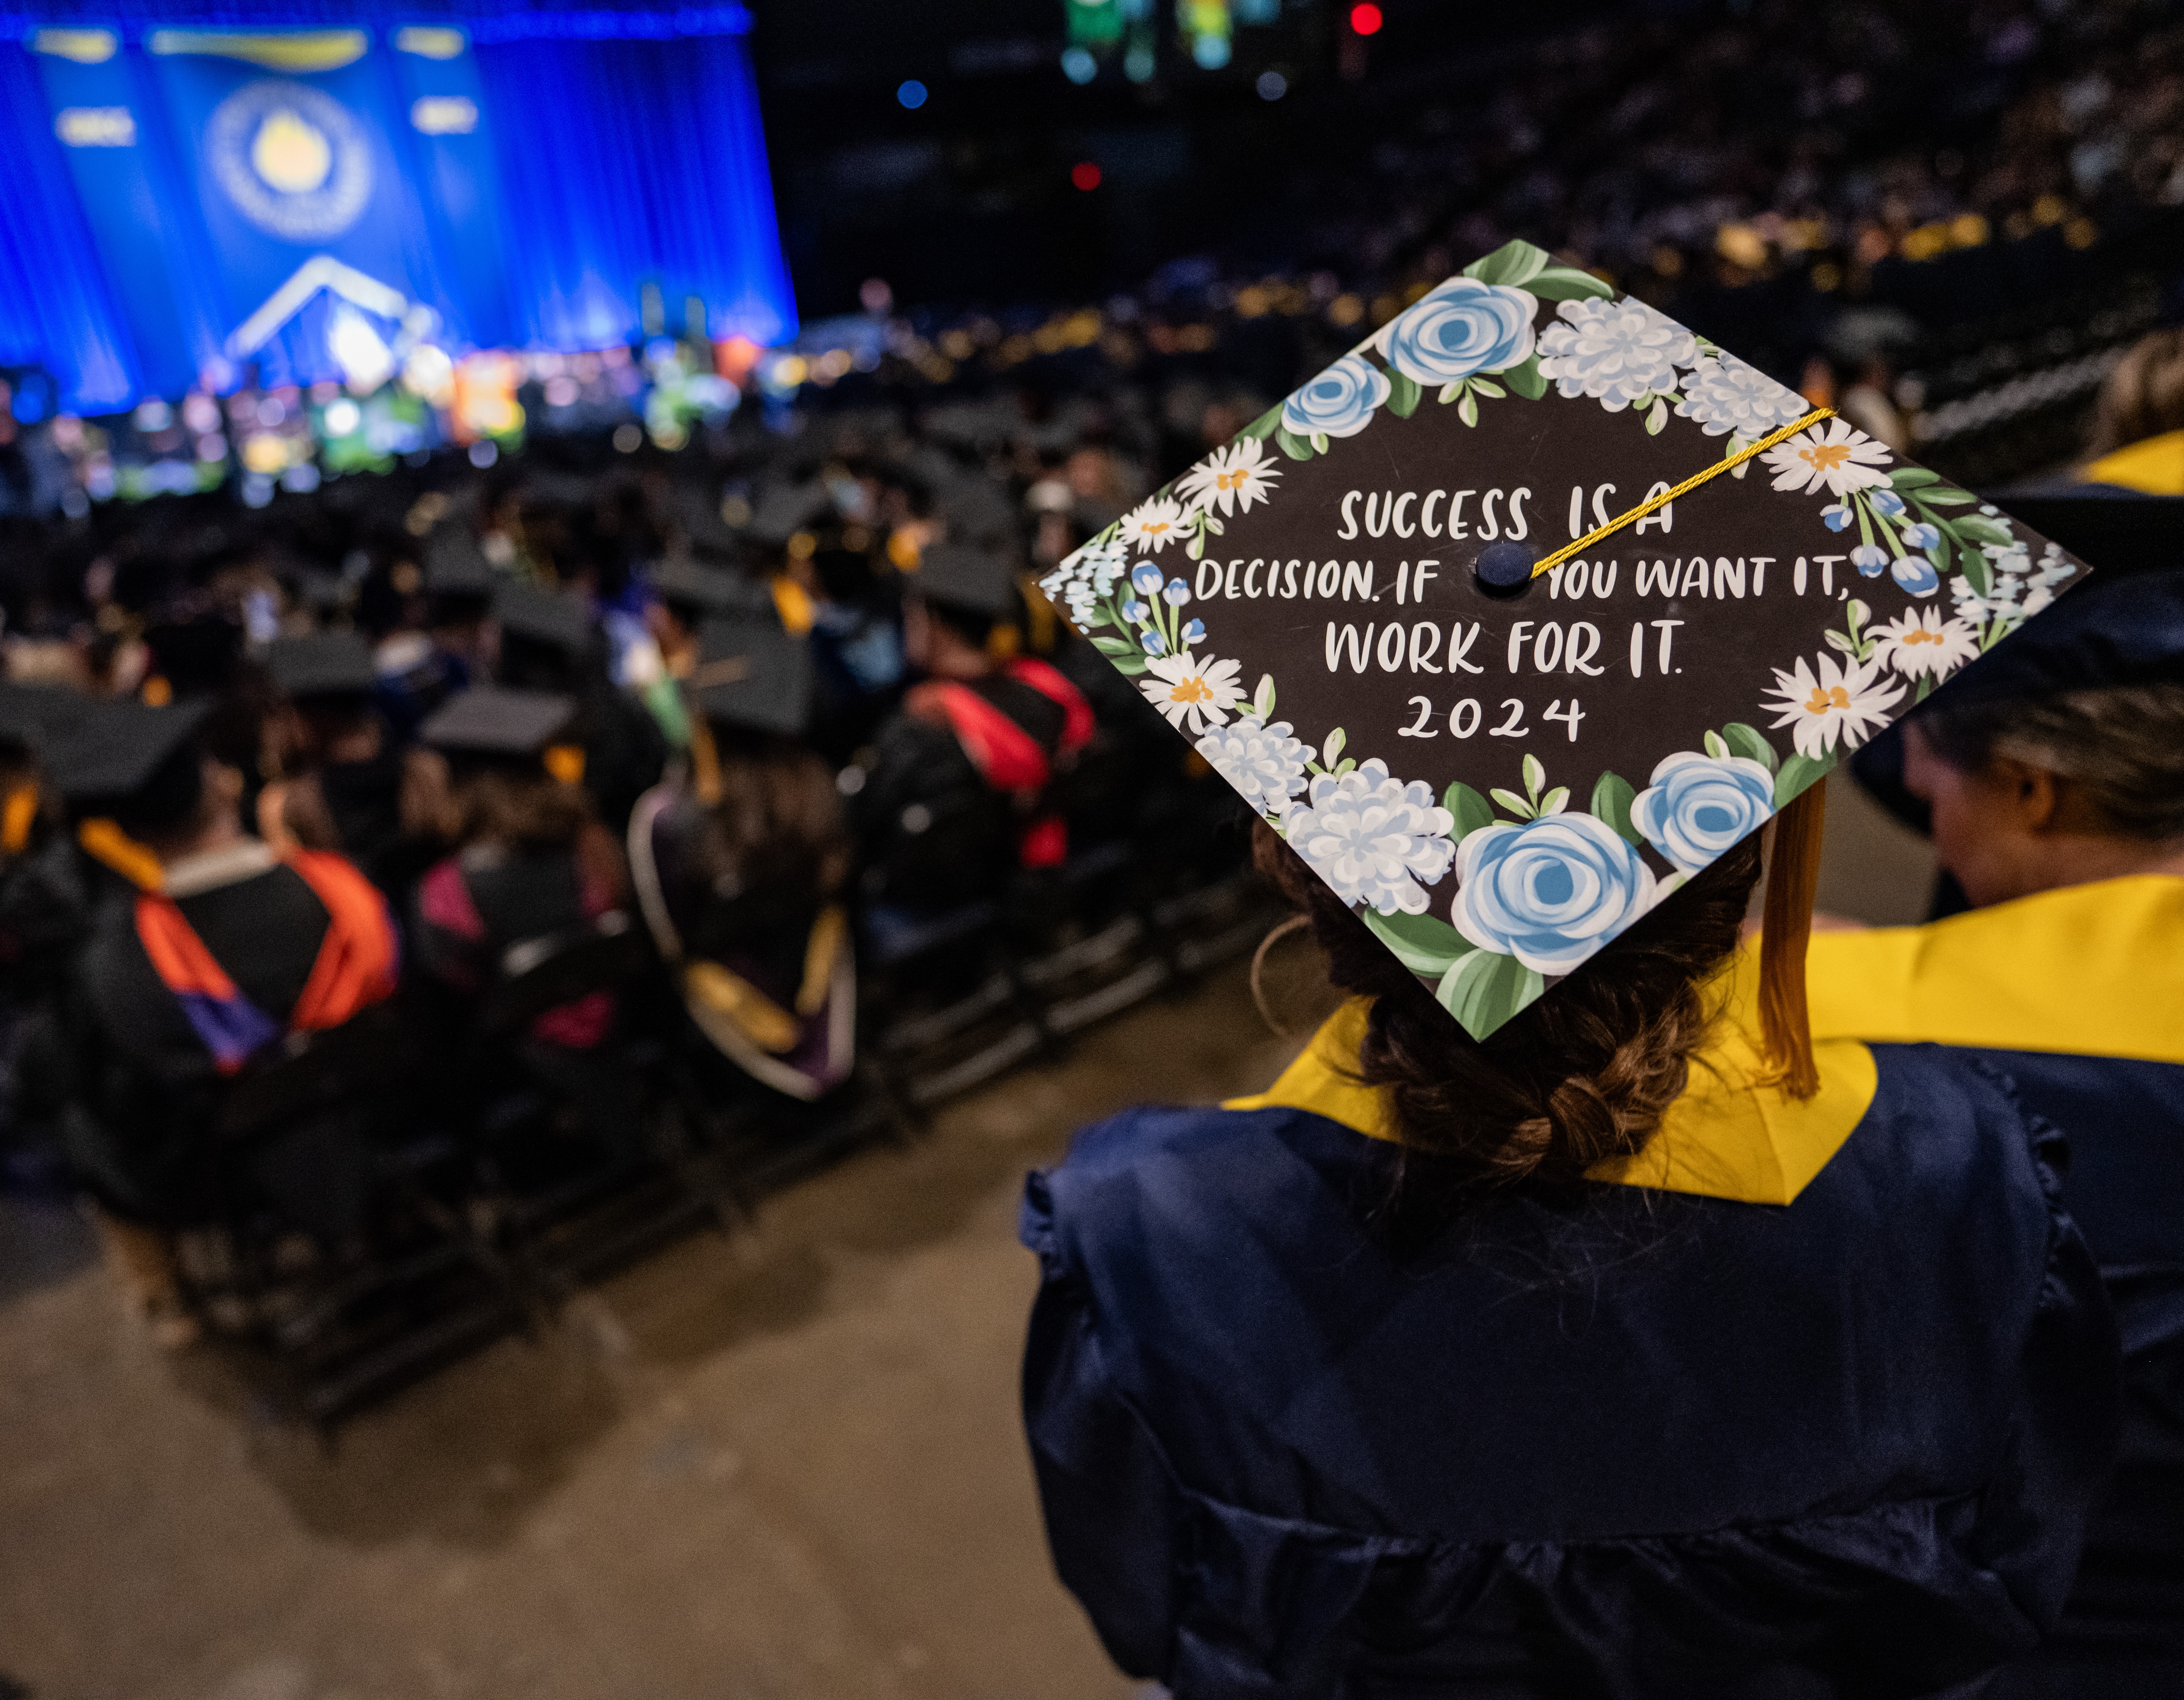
[751, 674]
[32, 716]
[684, 585]
[138, 764]
[697, 518]
[552, 618]
[968, 579]
[1531, 606]
[2115, 530]
[455, 567]
[494, 723]
[321, 664]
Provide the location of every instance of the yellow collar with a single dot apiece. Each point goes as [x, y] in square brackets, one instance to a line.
[2094, 970]
[1727, 1137]
[2153, 466]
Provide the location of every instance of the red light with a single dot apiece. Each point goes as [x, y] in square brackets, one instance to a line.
[1365, 18]
[1085, 175]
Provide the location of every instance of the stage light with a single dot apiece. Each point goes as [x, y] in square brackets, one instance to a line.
[340, 417]
[1079, 65]
[1365, 18]
[1085, 175]
[1273, 85]
[911, 94]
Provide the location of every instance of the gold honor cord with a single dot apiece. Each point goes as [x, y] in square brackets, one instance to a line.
[1726, 463]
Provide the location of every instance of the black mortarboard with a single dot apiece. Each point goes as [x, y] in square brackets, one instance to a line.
[491, 720]
[321, 664]
[2126, 630]
[976, 581]
[136, 763]
[1437, 619]
[785, 510]
[455, 566]
[2113, 530]
[697, 518]
[684, 585]
[34, 716]
[752, 674]
[553, 618]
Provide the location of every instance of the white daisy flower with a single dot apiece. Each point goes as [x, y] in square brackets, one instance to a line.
[1373, 838]
[1614, 351]
[1836, 457]
[1920, 644]
[1266, 764]
[1839, 703]
[1725, 394]
[1231, 479]
[1153, 524]
[1190, 692]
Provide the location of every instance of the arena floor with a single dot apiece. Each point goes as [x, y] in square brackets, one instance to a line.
[780, 1466]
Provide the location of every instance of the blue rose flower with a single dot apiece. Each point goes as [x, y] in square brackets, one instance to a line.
[1868, 557]
[1134, 610]
[1462, 327]
[1146, 577]
[1835, 516]
[1154, 644]
[1178, 592]
[1339, 402]
[1887, 502]
[1699, 805]
[1916, 574]
[1549, 892]
[1195, 633]
[1922, 535]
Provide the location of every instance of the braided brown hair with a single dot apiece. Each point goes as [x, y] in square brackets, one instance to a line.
[1582, 1075]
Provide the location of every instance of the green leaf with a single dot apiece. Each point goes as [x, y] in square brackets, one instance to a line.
[1421, 943]
[1716, 745]
[1947, 497]
[1291, 444]
[1910, 477]
[1262, 705]
[1195, 548]
[1612, 797]
[1798, 774]
[1655, 417]
[1264, 424]
[1487, 387]
[1130, 666]
[1116, 646]
[1449, 393]
[1567, 283]
[1472, 811]
[1485, 989]
[1348, 762]
[1750, 741]
[1982, 529]
[1525, 380]
[1333, 747]
[1404, 394]
[1514, 262]
[1467, 409]
[1555, 802]
[1319, 442]
[1521, 807]
[1534, 775]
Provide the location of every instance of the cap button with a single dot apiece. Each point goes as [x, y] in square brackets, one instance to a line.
[1504, 568]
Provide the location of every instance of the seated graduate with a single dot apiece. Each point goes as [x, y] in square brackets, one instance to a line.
[420, 670]
[549, 642]
[227, 946]
[45, 899]
[2138, 422]
[740, 868]
[973, 747]
[534, 860]
[348, 787]
[2053, 770]
[685, 594]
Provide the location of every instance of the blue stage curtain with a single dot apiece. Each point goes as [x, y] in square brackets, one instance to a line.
[629, 162]
[55, 309]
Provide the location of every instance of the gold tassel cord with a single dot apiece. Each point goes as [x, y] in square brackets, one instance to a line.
[1653, 504]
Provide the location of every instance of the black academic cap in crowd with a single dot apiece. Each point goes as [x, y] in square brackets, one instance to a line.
[785, 510]
[34, 716]
[1433, 599]
[490, 721]
[707, 589]
[321, 664]
[554, 618]
[975, 580]
[198, 655]
[455, 566]
[123, 758]
[698, 518]
[753, 674]
[2113, 530]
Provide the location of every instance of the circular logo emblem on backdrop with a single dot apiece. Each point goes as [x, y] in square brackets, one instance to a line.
[293, 158]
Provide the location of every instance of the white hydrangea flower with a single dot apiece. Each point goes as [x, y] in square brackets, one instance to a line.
[1725, 394]
[1614, 351]
[1372, 837]
[1266, 764]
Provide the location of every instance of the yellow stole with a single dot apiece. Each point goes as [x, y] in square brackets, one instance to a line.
[1729, 1136]
[2094, 970]
[2153, 466]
